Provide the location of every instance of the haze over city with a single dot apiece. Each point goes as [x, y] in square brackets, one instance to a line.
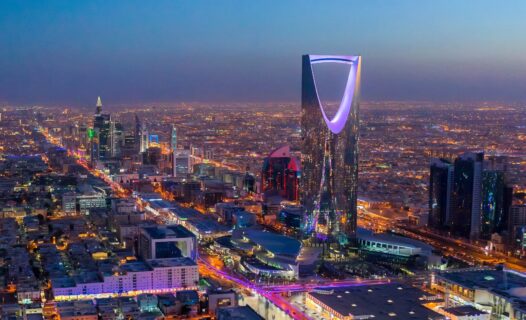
[66, 52]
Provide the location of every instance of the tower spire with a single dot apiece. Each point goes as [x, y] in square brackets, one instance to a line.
[99, 105]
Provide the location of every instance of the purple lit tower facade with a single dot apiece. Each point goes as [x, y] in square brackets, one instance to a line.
[329, 161]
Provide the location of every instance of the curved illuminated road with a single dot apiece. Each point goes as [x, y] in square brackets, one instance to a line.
[276, 299]
[273, 293]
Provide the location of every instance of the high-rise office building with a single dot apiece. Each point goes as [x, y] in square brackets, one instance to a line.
[98, 109]
[497, 197]
[152, 156]
[173, 138]
[440, 187]
[280, 174]
[470, 198]
[144, 139]
[117, 135]
[83, 134]
[249, 182]
[102, 144]
[137, 133]
[466, 196]
[330, 154]
[182, 163]
[517, 228]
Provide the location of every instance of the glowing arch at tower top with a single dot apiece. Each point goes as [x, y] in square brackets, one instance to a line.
[337, 123]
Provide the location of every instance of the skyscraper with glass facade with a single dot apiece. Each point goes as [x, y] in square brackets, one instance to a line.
[280, 174]
[330, 155]
[440, 187]
[103, 127]
[466, 196]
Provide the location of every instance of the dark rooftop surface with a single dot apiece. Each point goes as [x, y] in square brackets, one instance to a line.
[173, 231]
[384, 301]
[486, 278]
[172, 262]
[237, 313]
[273, 242]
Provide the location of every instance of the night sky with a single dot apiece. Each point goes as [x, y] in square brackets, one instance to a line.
[69, 52]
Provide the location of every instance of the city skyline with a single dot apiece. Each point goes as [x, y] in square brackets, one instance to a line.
[64, 53]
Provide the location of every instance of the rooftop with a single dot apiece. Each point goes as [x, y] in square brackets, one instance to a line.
[389, 238]
[134, 266]
[173, 262]
[237, 313]
[276, 243]
[383, 301]
[490, 279]
[172, 231]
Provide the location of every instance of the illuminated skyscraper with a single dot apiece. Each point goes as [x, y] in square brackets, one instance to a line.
[102, 144]
[99, 106]
[497, 197]
[330, 154]
[173, 138]
[182, 163]
[144, 140]
[466, 196]
[137, 133]
[280, 174]
[440, 187]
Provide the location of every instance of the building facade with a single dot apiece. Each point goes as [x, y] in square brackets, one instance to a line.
[173, 138]
[440, 186]
[182, 163]
[330, 155]
[102, 144]
[467, 192]
[470, 198]
[496, 203]
[154, 276]
[166, 242]
[280, 174]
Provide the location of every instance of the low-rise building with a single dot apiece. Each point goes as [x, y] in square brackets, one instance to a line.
[379, 302]
[500, 293]
[154, 276]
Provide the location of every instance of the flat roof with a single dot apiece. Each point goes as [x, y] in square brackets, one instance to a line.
[63, 282]
[383, 301]
[204, 223]
[238, 313]
[171, 231]
[135, 266]
[485, 278]
[172, 262]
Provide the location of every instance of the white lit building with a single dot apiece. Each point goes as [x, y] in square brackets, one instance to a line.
[162, 242]
[182, 163]
[131, 278]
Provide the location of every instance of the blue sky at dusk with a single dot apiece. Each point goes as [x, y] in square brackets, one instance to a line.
[68, 52]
